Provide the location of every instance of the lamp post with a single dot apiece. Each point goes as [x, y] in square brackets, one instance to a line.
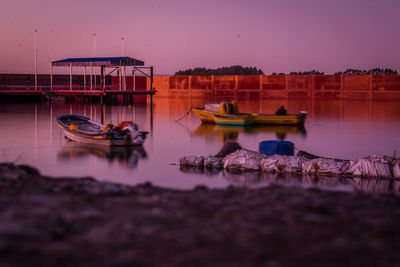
[124, 69]
[35, 60]
[94, 55]
[123, 43]
[94, 44]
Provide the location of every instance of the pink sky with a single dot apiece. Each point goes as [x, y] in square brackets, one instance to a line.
[274, 35]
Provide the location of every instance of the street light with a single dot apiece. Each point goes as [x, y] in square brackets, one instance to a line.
[94, 44]
[124, 68]
[123, 44]
[91, 69]
[35, 60]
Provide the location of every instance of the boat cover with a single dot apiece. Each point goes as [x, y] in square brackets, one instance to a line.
[272, 147]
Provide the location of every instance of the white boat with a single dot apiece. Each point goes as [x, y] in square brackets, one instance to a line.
[84, 130]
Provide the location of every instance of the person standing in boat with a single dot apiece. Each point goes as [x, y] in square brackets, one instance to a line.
[281, 111]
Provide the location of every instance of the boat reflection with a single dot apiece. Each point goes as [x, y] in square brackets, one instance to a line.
[231, 133]
[125, 155]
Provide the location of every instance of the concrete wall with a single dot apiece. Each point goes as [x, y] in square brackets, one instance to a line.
[280, 86]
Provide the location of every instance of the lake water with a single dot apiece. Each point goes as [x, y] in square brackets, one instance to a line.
[30, 135]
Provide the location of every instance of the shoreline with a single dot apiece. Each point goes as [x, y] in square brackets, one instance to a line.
[82, 221]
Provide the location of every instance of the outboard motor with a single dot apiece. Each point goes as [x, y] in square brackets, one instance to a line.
[137, 138]
[131, 129]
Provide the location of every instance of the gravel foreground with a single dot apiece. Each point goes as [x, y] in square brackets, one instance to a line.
[83, 222]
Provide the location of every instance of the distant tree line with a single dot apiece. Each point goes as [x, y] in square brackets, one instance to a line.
[239, 70]
[313, 72]
[375, 71]
[232, 70]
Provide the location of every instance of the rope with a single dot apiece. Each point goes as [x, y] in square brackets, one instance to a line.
[187, 113]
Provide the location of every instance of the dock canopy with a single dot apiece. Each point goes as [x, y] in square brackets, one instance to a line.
[122, 66]
[98, 61]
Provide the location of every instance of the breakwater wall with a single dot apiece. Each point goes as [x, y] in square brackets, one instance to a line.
[377, 87]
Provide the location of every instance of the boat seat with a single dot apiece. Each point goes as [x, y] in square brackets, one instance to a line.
[73, 127]
[86, 127]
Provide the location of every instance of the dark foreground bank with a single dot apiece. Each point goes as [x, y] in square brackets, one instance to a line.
[83, 222]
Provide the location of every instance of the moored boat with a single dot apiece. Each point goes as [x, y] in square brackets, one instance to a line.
[207, 115]
[84, 130]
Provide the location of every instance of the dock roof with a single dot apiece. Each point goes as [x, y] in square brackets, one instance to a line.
[99, 61]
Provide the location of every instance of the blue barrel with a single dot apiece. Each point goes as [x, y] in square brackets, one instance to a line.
[269, 148]
[272, 147]
[286, 148]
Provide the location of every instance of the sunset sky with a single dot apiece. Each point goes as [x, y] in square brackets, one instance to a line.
[171, 35]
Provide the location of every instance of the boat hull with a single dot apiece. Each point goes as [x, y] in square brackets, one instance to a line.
[293, 119]
[207, 116]
[91, 132]
[237, 120]
[95, 139]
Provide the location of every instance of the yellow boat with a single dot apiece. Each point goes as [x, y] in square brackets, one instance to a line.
[208, 116]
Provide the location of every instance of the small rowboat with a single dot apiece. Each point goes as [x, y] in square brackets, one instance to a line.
[235, 120]
[84, 130]
[208, 116]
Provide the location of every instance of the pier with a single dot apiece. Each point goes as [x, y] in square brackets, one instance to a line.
[89, 84]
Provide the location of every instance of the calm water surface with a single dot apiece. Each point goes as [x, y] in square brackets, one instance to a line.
[30, 135]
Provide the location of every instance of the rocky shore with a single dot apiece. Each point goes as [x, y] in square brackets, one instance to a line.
[60, 221]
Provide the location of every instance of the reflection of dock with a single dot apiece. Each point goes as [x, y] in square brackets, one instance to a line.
[225, 133]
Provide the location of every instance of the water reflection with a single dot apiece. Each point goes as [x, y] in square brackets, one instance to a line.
[231, 133]
[257, 178]
[373, 185]
[199, 170]
[125, 156]
[334, 128]
[243, 178]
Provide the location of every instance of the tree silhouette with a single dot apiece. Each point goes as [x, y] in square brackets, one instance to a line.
[375, 71]
[232, 70]
[313, 72]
